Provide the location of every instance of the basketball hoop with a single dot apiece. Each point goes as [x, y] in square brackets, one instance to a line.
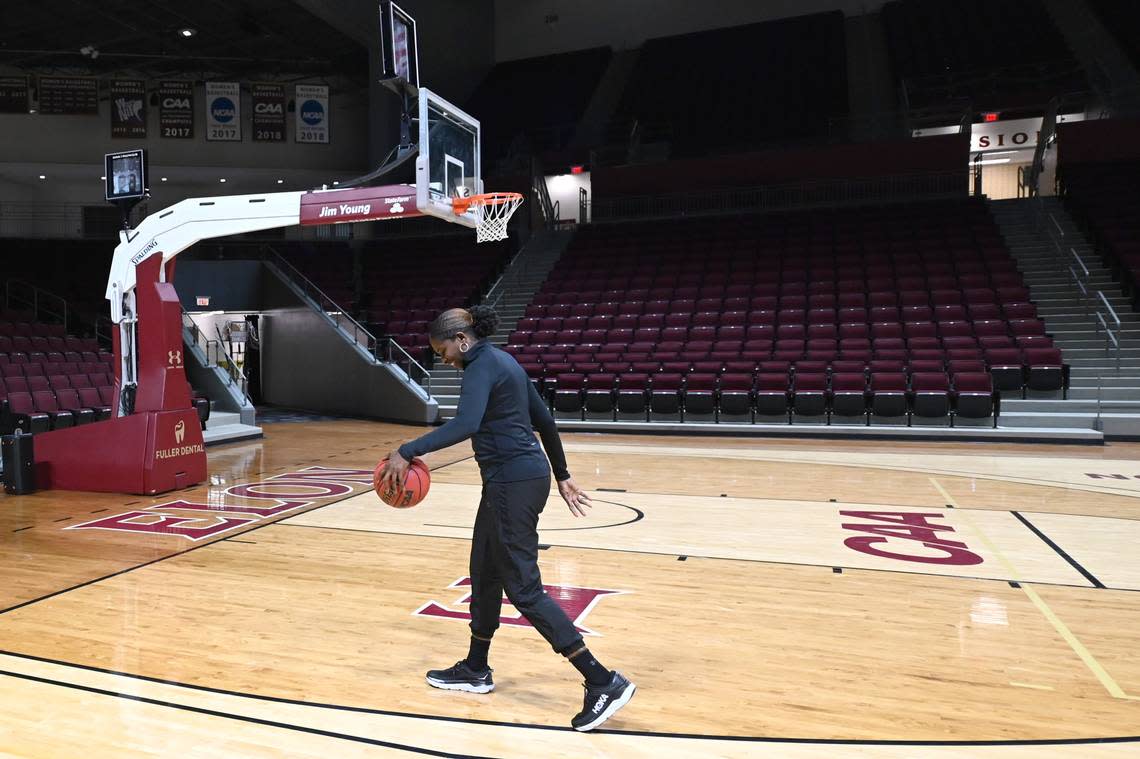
[492, 212]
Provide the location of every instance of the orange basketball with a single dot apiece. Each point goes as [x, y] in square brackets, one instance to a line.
[416, 483]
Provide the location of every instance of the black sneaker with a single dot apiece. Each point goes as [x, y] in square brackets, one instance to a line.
[603, 701]
[461, 677]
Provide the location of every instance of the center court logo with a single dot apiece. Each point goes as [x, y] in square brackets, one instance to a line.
[576, 602]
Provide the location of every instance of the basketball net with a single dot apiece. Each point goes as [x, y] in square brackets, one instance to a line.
[492, 212]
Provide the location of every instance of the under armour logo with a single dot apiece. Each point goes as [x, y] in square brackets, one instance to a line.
[174, 358]
[179, 431]
[601, 702]
[396, 208]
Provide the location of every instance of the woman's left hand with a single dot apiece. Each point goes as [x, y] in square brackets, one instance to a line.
[575, 497]
[396, 470]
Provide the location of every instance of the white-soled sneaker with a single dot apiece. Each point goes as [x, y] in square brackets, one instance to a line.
[461, 677]
[602, 702]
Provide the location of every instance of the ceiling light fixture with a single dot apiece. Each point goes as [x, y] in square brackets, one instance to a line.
[222, 180]
[187, 32]
[42, 176]
[164, 179]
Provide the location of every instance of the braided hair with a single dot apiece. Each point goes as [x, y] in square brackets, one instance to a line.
[478, 321]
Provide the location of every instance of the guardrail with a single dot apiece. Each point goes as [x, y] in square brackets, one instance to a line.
[45, 306]
[381, 350]
[217, 354]
[1110, 336]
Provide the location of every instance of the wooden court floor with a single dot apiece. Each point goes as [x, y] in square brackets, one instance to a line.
[774, 598]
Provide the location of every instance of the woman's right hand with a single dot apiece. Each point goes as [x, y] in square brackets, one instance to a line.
[395, 471]
[575, 497]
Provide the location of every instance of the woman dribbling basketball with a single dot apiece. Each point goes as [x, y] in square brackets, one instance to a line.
[499, 409]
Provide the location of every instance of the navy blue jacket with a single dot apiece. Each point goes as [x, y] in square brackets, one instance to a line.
[499, 409]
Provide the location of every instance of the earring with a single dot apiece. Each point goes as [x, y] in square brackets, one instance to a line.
[463, 347]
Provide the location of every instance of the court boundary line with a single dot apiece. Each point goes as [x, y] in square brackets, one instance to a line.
[239, 717]
[1060, 551]
[716, 558]
[931, 471]
[852, 503]
[1098, 671]
[524, 725]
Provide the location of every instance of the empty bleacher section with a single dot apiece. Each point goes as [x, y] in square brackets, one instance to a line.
[407, 283]
[780, 314]
[790, 176]
[73, 270]
[404, 282]
[328, 265]
[48, 379]
[536, 100]
[993, 54]
[1097, 170]
[1104, 197]
[738, 88]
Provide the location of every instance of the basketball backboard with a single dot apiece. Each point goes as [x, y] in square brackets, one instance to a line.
[448, 165]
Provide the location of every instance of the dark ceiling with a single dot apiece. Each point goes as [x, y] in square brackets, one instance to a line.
[273, 39]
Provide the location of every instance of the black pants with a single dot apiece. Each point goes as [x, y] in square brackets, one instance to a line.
[504, 557]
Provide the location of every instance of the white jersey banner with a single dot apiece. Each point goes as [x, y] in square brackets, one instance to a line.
[223, 111]
[312, 113]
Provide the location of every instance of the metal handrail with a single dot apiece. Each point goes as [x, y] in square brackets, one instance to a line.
[511, 275]
[104, 323]
[1060, 231]
[390, 344]
[1080, 285]
[1077, 256]
[338, 314]
[326, 304]
[1108, 305]
[208, 347]
[235, 372]
[1109, 337]
[37, 293]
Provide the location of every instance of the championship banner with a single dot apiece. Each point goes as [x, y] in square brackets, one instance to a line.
[268, 112]
[223, 111]
[176, 110]
[69, 95]
[14, 94]
[128, 108]
[312, 113]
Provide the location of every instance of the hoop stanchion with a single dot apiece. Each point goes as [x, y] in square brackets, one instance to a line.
[492, 210]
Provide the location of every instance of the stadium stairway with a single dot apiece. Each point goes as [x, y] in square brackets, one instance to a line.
[509, 295]
[1073, 325]
[232, 415]
[315, 358]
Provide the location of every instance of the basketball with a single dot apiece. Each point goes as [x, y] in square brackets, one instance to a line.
[417, 481]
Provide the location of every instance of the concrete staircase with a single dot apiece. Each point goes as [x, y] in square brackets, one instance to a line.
[227, 427]
[1071, 319]
[510, 297]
